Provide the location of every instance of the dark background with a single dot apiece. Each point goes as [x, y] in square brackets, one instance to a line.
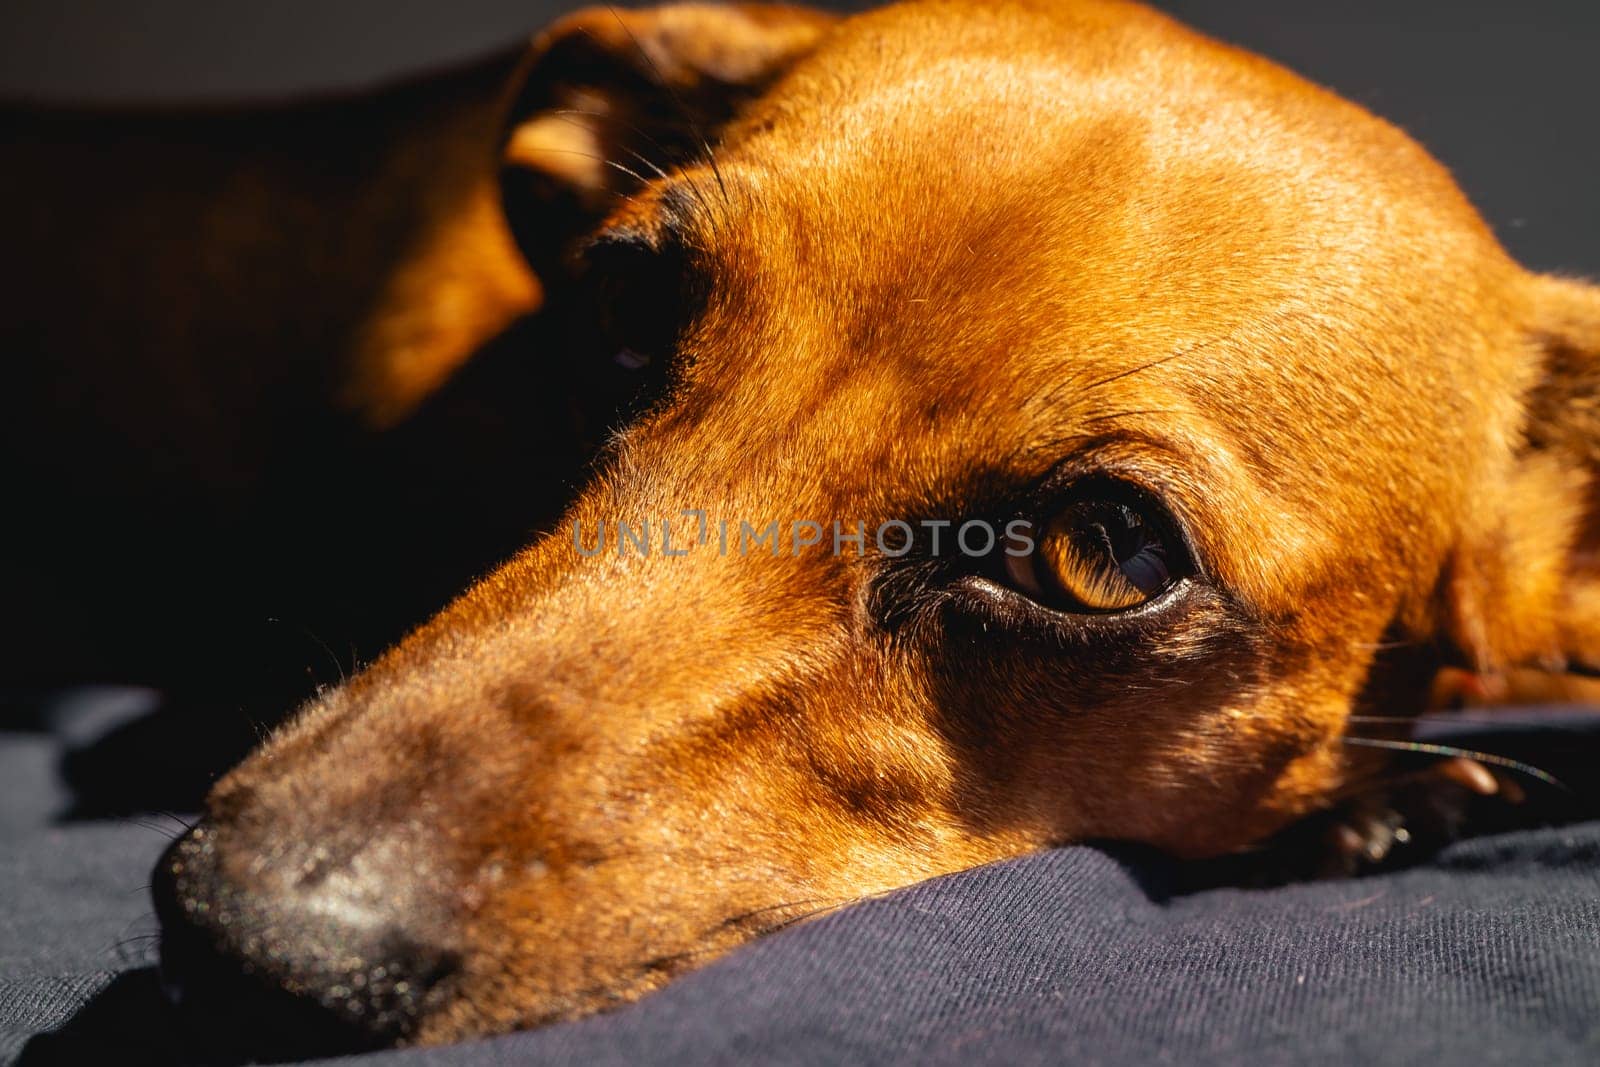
[1505, 93]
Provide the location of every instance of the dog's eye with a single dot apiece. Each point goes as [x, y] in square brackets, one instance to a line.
[639, 316]
[642, 296]
[631, 358]
[1098, 556]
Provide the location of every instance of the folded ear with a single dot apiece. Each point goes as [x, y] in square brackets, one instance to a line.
[609, 98]
[1525, 589]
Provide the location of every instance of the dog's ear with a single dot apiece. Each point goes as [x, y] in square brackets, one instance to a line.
[1524, 588]
[609, 98]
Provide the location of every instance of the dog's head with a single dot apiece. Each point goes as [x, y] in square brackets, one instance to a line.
[1155, 410]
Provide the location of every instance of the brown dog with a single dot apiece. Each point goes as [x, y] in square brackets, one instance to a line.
[1285, 430]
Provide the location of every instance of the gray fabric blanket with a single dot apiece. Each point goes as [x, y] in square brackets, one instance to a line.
[1487, 951]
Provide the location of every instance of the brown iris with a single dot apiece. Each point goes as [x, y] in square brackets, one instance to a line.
[1095, 556]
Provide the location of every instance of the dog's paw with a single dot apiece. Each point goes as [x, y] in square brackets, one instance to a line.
[1363, 835]
[1422, 812]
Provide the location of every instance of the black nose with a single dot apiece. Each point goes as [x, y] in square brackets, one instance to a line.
[287, 965]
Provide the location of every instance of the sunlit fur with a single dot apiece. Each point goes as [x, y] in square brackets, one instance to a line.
[948, 251]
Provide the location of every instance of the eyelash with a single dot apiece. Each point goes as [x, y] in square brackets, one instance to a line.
[1014, 612]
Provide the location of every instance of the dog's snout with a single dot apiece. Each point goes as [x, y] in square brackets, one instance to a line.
[329, 951]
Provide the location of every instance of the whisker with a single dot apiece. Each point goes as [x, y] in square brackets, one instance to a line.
[629, 126]
[832, 904]
[1431, 749]
[826, 909]
[1478, 718]
[694, 127]
[1074, 384]
[687, 180]
[135, 939]
[166, 832]
[635, 175]
[735, 920]
[1108, 416]
[305, 631]
[629, 171]
[1140, 369]
[175, 817]
[645, 160]
[600, 159]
